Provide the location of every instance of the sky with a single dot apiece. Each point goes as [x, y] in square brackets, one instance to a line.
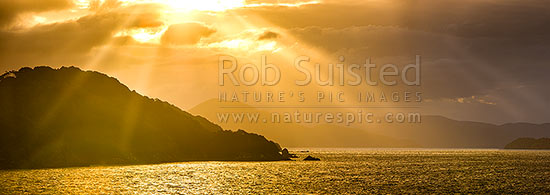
[482, 60]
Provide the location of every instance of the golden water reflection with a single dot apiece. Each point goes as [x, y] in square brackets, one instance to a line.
[340, 171]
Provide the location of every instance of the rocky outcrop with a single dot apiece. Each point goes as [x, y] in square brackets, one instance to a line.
[311, 158]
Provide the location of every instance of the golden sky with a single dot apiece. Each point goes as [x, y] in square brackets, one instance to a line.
[482, 60]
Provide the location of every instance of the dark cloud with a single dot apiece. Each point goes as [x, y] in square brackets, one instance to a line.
[69, 40]
[135, 16]
[492, 49]
[10, 9]
[146, 20]
[124, 40]
[268, 35]
[472, 66]
[473, 46]
[186, 33]
[73, 36]
[457, 17]
[97, 5]
[379, 41]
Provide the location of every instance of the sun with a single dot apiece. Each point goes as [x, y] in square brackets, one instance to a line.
[202, 5]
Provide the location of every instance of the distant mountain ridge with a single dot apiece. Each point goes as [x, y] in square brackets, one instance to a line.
[69, 117]
[299, 135]
[432, 132]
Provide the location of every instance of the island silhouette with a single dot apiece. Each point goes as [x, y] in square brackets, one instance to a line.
[529, 143]
[69, 117]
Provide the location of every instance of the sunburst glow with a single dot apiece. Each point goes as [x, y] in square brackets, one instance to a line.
[179, 5]
[186, 5]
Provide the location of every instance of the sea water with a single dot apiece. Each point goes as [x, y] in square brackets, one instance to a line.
[340, 171]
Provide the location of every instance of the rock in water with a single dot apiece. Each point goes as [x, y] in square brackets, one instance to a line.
[311, 158]
[285, 154]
